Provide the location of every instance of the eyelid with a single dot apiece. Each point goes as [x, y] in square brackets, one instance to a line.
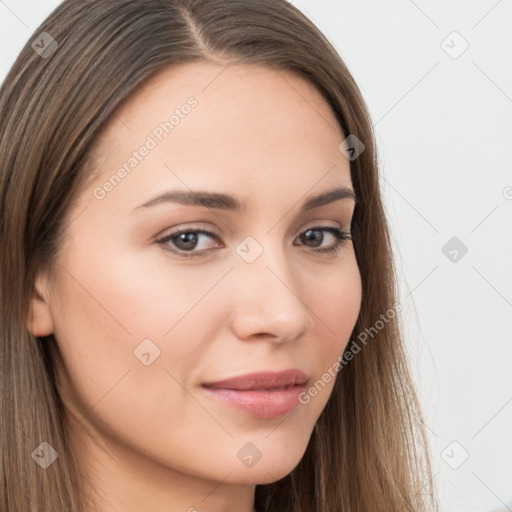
[173, 230]
[321, 223]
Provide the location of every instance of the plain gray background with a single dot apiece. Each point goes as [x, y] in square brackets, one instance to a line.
[437, 79]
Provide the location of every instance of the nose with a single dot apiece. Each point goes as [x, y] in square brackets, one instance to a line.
[269, 298]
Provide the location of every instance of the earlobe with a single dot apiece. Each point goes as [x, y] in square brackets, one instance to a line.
[39, 319]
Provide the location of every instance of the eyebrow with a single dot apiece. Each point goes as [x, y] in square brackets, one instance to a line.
[231, 203]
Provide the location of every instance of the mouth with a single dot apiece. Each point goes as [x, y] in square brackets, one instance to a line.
[262, 381]
[263, 395]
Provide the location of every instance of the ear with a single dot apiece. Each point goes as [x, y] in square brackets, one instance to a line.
[39, 319]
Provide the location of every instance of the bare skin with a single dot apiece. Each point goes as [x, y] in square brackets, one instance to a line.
[148, 436]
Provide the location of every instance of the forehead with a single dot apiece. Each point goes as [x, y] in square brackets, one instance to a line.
[252, 86]
[207, 124]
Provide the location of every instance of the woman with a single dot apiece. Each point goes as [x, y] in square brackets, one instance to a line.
[198, 305]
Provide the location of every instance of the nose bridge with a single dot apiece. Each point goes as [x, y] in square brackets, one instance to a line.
[267, 296]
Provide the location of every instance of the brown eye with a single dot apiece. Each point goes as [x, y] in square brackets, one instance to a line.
[186, 241]
[316, 237]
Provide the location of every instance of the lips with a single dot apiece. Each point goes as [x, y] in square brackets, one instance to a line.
[263, 395]
[262, 381]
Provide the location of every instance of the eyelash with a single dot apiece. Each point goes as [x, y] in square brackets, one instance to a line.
[341, 236]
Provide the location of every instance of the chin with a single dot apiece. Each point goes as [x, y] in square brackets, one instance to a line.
[275, 463]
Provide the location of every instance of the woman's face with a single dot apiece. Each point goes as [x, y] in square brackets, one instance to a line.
[145, 317]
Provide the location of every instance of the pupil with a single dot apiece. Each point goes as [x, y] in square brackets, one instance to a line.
[189, 239]
[314, 235]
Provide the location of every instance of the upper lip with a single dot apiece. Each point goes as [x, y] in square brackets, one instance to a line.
[262, 380]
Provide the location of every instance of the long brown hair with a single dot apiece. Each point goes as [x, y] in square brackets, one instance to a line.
[369, 448]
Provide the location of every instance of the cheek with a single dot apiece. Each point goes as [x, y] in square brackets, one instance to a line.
[335, 301]
[128, 345]
[129, 330]
[116, 299]
[335, 305]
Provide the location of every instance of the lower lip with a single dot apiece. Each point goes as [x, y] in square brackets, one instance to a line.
[264, 403]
